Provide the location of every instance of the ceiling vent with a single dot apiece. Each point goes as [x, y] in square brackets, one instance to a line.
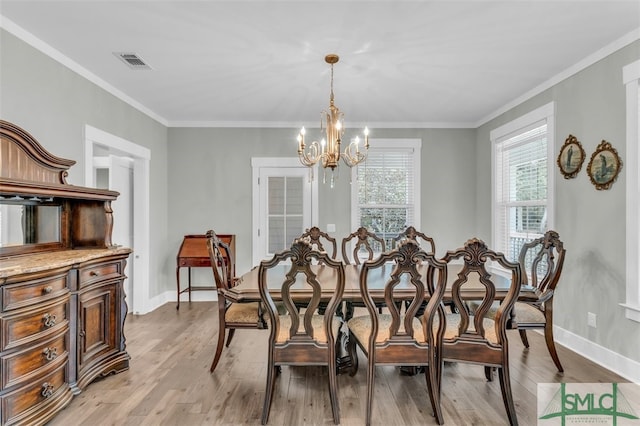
[133, 61]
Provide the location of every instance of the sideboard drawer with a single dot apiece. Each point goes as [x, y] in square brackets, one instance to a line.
[100, 272]
[20, 366]
[33, 399]
[35, 324]
[194, 262]
[34, 291]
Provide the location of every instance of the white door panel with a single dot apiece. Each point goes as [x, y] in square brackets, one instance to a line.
[285, 204]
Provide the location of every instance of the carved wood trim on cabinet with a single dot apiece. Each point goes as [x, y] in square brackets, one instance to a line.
[62, 305]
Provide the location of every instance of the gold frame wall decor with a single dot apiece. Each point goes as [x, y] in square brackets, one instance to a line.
[571, 157]
[604, 167]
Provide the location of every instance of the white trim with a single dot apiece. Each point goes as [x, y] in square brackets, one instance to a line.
[631, 79]
[56, 55]
[275, 162]
[412, 143]
[141, 183]
[625, 367]
[572, 70]
[545, 112]
[48, 50]
[537, 114]
[285, 125]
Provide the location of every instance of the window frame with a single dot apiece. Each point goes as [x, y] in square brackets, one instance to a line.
[631, 80]
[521, 124]
[402, 144]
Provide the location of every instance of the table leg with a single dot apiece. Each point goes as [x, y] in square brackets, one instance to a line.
[189, 284]
[178, 285]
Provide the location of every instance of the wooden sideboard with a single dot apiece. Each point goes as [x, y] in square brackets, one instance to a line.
[193, 253]
[62, 303]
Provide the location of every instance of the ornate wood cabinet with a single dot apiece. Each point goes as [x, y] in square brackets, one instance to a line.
[62, 304]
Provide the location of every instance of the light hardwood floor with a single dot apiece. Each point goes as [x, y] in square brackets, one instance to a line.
[169, 383]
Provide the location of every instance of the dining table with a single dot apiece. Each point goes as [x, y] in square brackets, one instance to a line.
[247, 289]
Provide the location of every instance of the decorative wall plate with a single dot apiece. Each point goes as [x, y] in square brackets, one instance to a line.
[571, 157]
[604, 167]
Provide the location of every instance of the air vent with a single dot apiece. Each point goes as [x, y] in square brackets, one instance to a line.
[132, 60]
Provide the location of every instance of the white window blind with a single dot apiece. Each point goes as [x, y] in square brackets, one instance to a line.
[521, 188]
[285, 211]
[386, 190]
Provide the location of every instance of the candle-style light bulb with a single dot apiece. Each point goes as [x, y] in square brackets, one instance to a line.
[366, 137]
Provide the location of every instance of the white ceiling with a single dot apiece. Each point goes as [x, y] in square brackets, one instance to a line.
[261, 63]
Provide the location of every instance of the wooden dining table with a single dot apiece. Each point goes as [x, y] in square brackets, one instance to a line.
[247, 290]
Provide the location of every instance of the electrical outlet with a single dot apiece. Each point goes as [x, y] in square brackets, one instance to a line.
[591, 319]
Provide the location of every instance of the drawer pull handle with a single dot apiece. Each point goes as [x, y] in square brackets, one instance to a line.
[47, 389]
[48, 289]
[49, 320]
[94, 273]
[50, 353]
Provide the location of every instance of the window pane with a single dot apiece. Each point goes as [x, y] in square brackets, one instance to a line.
[386, 190]
[276, 195]
[521, 188]
[276, 234]
[293, 228]
[294, 187]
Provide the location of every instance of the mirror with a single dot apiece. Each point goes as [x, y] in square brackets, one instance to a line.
[29, 223]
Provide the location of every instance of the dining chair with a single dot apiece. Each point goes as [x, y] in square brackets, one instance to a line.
[422, 239]
[362, 241]
[397, 338]
[319, 238]
[231, 316]
[541, 261]
[364, 246]
[316, 237]
[300, 336]
[475, 338]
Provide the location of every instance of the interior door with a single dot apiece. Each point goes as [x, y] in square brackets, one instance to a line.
[285, 208]
[121, 180]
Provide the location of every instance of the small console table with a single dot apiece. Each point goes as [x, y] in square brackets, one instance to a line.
[193, 253]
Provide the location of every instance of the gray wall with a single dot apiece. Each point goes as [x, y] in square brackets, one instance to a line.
[210, 183]
[200, 178]
[54, 104]
[591, 106]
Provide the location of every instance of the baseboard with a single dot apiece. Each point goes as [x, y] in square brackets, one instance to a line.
[625, 367]
[170, 297]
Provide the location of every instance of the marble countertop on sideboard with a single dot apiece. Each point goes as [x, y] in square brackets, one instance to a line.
[29, 263]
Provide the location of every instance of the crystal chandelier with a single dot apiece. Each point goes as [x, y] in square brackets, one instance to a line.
[327, 151]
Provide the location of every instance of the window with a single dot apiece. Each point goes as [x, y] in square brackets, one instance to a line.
[284, 204]
[631, 79]
[385, 190]
[523, 154]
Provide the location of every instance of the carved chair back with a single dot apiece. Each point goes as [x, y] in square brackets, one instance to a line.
[317, 237]
[411, 233]
[542, 259]
[363, 241]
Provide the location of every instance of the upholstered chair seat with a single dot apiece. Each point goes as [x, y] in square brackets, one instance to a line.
[361, 328]
[317, 322]
[243, 313]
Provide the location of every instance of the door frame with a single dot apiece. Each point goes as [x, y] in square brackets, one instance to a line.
[141, 233]
[275, 162]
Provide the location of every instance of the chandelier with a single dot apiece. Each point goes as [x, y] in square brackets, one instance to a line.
[327, 151]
